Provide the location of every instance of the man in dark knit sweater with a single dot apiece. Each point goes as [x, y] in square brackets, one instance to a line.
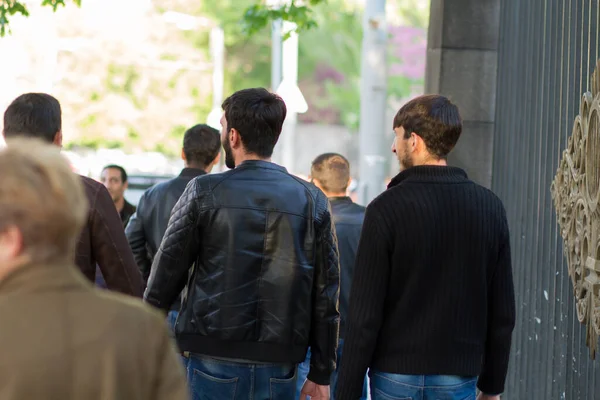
[432, 303]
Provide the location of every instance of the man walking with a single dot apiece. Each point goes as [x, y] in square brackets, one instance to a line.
[433, 303]
[61, 338]
[114, 178]
[330, 172]
[265, 277]
[200, 153]
[102, 241]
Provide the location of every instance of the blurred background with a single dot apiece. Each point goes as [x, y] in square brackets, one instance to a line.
[133, 75]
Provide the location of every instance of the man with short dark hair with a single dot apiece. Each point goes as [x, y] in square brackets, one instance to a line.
[114, 179]
[102, 241]
[200, 153]
[330, 172]
[258, 251]
[433, 304]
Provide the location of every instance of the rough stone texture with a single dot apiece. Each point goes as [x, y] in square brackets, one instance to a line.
[469, 78]
[474, 150]
[462, 65]
[465, 24]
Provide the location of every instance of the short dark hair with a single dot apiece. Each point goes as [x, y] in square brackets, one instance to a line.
[435, 119]
[201, 144]
[258, 116]
[121, 170]
[35, 115]
[332, 170]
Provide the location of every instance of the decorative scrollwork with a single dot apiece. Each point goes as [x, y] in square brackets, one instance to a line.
[576, 194]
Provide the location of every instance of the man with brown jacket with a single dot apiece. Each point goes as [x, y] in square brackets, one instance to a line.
[61, 338]
[102, 241]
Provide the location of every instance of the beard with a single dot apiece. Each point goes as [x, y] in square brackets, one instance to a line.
[406, 161]
[229, 161]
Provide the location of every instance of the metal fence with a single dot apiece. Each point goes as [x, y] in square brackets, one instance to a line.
[548, 50]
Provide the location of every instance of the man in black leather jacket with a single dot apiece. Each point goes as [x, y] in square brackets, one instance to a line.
[258, 251]
[146, 228]
[330, 172]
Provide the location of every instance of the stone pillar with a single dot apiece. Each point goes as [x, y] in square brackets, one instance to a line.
[462, 53]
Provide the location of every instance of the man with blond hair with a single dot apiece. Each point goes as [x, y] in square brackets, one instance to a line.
[330, 172]
[61, 338]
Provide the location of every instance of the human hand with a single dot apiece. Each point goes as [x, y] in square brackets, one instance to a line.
[314, 391]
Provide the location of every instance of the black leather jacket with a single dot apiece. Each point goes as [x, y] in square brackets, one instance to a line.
[348, 219]
[147, 226]
[265, 281]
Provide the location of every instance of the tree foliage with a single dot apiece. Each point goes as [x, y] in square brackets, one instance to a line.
[257, 16]
[9, 8]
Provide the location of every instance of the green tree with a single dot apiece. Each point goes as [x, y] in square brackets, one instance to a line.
[8, 8]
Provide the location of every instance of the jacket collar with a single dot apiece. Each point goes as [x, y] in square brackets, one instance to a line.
[261, 164]
[430, 174]
[34, 278]
[340, 200]
[191, 172]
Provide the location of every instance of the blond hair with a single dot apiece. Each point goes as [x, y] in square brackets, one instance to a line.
[332, 170]
[42, 198]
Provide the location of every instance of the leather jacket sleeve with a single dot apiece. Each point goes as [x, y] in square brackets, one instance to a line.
[325, 315]
[136, 235]
[177, 252]
[110, 248]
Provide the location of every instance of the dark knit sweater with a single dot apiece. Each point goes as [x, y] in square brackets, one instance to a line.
[432, 292]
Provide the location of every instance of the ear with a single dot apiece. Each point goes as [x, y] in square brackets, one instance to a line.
[11, 243]
[415, 141]
[126, 185]
[58, 139]
[183, 155]
[317, 183]
[217, 159]
[235, 139]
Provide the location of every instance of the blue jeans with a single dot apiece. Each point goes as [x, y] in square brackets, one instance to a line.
[171, 319]
[305, 366]
[386, 386]
[212, 379]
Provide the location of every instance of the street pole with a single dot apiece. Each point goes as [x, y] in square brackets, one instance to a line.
[373, 103]
[276, 40]
[217, 50]
[290, 77]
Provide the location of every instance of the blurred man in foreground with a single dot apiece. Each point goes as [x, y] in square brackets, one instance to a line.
[61, 338]
[102, 241]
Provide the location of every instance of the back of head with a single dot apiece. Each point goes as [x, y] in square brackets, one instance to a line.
[332, 171]
[42, 198]
[201, 145]
[435, 119]
[35, 115]
[258, 116]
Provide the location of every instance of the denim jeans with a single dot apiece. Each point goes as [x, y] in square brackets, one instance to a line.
[305, 366]
[386, 386]
[213, 379]
[171, 319]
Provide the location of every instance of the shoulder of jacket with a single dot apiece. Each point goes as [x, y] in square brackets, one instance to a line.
[90, 185]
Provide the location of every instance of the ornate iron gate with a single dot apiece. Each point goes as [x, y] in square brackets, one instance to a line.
[548, 51]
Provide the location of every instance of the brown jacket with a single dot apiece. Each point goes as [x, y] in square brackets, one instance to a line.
[103, 242]
[62, 339]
